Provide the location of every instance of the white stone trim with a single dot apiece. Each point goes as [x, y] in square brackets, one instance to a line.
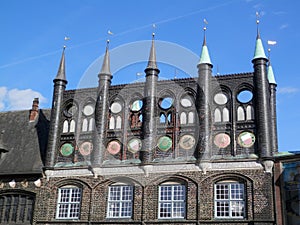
[154, 169]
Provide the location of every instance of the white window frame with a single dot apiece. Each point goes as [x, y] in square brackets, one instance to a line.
[70, 203]
[120, 204]
[235, 198]
[172, 201]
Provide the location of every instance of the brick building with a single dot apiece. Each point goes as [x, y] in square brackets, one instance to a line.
[180, 151]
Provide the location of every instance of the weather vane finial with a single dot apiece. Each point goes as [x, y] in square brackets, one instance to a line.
[205, 23]
[66, 39]
[257, 17]
[110, 33]
[269, 48]
[153, 30]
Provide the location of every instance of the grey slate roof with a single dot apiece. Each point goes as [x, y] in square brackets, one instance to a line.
[24, 141]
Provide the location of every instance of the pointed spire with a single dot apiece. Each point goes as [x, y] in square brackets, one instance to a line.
[106, 61]
[204, 57]
[271, 76]
[259, 49]
[61, 74]
[152, 57]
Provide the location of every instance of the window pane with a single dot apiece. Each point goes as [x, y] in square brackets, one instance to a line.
[126, 209]
[178, 209]
[222, 209]
[165, 210]
[237, 209]
[166, 193]
[222, 191]
[237, 191]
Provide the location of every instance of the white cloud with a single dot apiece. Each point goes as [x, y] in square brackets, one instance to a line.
[16, 99]
[288, 90]
[283, 26]
[3, 92]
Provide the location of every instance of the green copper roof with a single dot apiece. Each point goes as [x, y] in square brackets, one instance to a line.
[204, 58]
[271, 76]
[259, 50]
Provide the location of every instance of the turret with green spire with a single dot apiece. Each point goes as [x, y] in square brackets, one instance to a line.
[273, 86]
[262, 104]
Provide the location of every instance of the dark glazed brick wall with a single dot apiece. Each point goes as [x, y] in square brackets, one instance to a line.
[200, 197]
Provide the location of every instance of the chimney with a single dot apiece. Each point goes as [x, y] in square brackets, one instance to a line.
[33, 113]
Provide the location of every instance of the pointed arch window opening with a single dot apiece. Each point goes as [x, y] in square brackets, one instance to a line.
[72, 126]
[245, 113]
[91, 124]
[221, 114]
[249, 112]
[183, 118]
[115, 115]
[69, 126]
[162, 118]
[115, 122]
[84, 125]
[240, 113]
[136, 115]
[66, 126]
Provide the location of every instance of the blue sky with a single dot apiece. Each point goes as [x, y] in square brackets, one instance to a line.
[32, 36]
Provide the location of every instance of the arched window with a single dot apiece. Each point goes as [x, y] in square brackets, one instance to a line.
[162, 118]
[240, 114]
[112, 123]
[183, 118]
[229, 198]
[171, 200]
[68, 202]
[66, 126]
[119, 122]
[72, 126]
[169, 117]
[191, 117]
[249, 112]
[218, 115]
[225, 115]
[84, 125]
[91, 124]
[120, 201]
[16, 208]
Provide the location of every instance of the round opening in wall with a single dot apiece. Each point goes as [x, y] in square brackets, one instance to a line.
[186, 101]
[88, 110]
[245, 96]
[166, 102]
[136, 105]
[220, 99]
[116, 107]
